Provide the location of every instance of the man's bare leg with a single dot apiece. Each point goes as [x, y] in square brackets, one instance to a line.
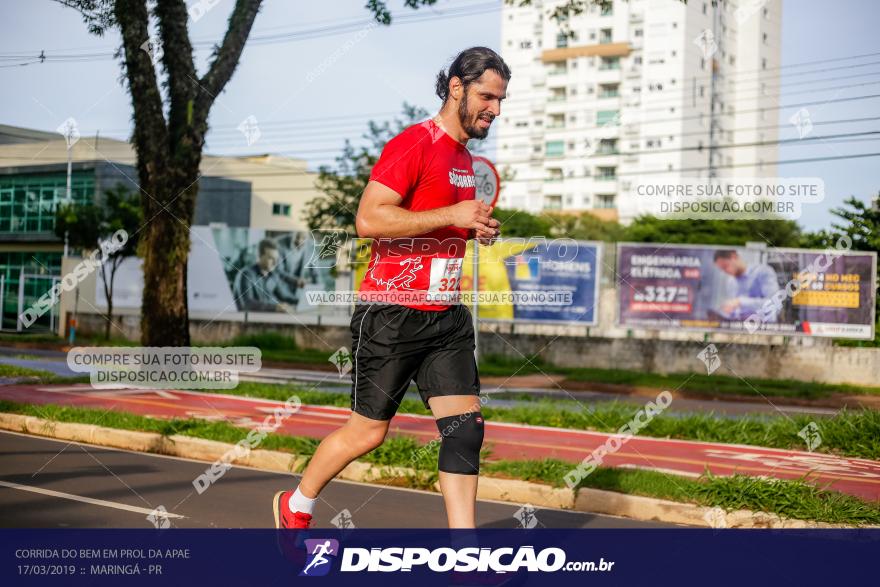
[459, 491]
[355, 438]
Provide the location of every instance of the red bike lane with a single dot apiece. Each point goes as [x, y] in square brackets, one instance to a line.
[860, 477]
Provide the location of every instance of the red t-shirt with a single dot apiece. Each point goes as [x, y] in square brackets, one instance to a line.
[428, 169]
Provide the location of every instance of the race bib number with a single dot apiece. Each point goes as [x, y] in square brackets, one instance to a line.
[445, 279]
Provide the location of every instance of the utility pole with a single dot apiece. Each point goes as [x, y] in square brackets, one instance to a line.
[714, 104]
[68, 195]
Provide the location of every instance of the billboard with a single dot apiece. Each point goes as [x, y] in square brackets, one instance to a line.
[535, 280]
[238, 270]
[739, 289]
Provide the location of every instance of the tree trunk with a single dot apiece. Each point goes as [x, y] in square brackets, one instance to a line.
[164, 246]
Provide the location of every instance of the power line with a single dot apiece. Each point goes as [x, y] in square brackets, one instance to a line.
[343, 131]
[628, 174]
[739, 112]
[356, 122]
[297, 35]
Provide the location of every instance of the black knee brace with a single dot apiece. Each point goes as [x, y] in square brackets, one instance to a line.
[460, 443]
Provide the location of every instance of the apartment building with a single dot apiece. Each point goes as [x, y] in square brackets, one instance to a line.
[637, 88]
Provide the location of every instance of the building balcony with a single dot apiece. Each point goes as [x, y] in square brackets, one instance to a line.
[621, 49]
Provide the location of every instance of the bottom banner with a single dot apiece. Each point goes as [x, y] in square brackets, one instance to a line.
[437, 557]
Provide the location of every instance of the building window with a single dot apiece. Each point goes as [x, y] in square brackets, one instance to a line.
[28, 202]
[607, 116]
[607, 147]
[279, 209]
[609, 63]
[555, 148]
[606, 9]
[606, 173]
[605, 200]
[553, 202]
[558, 68]
[609, 90]
[561, 41]
[605, 36]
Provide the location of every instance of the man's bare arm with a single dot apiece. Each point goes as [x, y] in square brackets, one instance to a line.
[380, 216]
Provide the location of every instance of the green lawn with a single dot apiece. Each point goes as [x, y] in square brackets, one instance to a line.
[282, 349]
[12, 371]
[853, 433]
[793, 499]
[714, 385]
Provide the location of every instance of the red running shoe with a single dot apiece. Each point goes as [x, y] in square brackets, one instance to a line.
[284, 517]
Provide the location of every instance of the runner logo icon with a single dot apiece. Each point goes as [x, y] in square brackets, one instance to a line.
[321, 552]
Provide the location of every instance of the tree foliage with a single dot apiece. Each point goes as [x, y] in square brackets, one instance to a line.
[343, 184]
[84, 226]
[775, 233]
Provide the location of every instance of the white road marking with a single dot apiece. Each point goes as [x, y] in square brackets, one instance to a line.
[101, 502]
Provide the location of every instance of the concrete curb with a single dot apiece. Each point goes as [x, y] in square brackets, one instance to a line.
[511, 490]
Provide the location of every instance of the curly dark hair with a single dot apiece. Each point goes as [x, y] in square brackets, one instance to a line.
[468, 66]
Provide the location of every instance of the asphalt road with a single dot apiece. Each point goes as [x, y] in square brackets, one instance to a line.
[48, 483]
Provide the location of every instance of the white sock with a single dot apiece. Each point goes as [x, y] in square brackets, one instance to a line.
[301, 503]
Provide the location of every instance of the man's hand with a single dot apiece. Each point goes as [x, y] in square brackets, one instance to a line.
[488, 236]
[471, 214]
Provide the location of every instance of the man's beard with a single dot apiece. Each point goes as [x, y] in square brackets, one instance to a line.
[469, 122]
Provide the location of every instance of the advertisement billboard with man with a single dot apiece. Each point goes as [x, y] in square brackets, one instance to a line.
[739, 289]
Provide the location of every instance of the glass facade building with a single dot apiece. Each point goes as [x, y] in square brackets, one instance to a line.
[27, 216]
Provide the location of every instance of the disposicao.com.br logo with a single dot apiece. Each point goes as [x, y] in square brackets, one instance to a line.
[471, 559]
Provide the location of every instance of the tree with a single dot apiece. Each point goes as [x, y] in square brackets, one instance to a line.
[86, 225]
[169, 148]
[776, 233]
[861, 223]
[858, 221]
[584, 226]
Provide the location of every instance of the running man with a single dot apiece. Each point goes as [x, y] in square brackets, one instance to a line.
[419, 208]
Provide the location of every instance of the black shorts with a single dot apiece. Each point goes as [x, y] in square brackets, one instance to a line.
[394, 345]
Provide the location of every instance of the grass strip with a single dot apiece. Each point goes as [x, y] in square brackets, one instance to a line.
[850, 433]
[792, 499]
[40, 376]
[279, 348]
[853, 433]
[715, 384]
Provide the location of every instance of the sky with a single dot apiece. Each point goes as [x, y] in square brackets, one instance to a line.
[308, 93]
